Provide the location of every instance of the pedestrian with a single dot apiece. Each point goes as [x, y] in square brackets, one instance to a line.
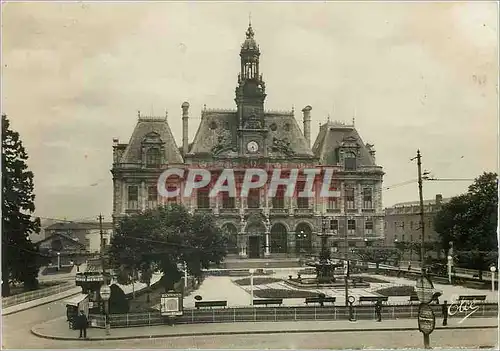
[82, 324]
[444, 311]
[409, 267]
[378, 310]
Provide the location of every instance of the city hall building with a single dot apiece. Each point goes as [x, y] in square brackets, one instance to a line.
[258, 226]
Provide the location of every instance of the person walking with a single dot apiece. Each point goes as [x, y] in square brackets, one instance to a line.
[82, 324]
[378, 310]
[444, 311]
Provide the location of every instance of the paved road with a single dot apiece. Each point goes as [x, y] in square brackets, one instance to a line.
[16, 328]
[388, 339]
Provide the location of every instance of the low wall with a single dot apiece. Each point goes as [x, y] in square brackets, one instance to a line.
[36, 294]
[280, 314]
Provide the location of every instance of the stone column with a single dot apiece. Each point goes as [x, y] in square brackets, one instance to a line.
[267, 253]
[143, 196]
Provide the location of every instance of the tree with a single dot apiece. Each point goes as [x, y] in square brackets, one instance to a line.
[19, 254]
[165, 238]
[378, 255]
[469, 222]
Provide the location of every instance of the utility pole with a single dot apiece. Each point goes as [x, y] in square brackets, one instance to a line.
[101, 233]
[345, 250]
[421, 197]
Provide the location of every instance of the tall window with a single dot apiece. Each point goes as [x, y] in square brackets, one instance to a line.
[369, 226]
[334, 225]
[279, 199]
[333, 203]
[153, 158]
[203, 200]
[367, 198]
[302, 201]
[152, 196]
[133, 197]
[351, 226]
[349, 198]
[253, 199]
[171, 199]
[227, 201]
[350, 161]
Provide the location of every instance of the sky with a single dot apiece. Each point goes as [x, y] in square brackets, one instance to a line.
[415, 76]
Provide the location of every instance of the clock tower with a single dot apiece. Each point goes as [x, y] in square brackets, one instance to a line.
[250, 96]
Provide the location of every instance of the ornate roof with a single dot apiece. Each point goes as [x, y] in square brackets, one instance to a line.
[144, 129]
[334, 135]
[219, 127]
[250, 44]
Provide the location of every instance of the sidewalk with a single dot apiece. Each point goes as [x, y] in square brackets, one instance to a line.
[38, 302]
[58, 328]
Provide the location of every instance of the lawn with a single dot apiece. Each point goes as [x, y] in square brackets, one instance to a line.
[257, 281]
[283, 294]
[372, 279]
[397, 291]
[19, 289]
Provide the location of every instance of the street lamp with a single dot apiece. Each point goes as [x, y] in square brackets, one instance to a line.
[58, 261]
[105, 295]
[251, 271]
[493, 270]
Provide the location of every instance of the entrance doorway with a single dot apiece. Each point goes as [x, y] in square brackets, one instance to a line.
[254, 247]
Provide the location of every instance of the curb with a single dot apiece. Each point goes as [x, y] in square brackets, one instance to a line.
[34, 306]
[256, 332]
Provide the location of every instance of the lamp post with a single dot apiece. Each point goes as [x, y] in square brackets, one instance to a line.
[450, 264]
[301, 236]
[105, 295]
[251, 271]
[493, 270]
[58, 261]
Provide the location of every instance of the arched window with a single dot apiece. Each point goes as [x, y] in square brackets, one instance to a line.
[153, 158]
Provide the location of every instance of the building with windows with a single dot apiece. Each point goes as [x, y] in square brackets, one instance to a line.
[403, 225]
[251, 136]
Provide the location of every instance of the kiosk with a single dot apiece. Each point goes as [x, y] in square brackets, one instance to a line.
[74, 306]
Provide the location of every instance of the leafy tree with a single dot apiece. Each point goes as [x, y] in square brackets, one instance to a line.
[378, 255]
[165, 238]
[19, 254]
[469, 221]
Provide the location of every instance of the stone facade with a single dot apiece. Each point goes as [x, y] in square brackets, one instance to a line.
[402, 223]
[250, 136]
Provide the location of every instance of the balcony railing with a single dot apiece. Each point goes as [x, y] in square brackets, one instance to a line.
[303, 211]
[279, 211]
[229, 211]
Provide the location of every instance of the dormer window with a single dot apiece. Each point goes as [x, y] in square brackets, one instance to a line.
[153, 158]
[350, 161]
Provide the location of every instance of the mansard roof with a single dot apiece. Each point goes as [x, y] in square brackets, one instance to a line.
[334, 135]
[150, 129]
[217, 125]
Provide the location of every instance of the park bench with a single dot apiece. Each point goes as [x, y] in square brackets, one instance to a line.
[373, 299]
[318, 300]
[268, 302]
[210, 304]
[472, 297]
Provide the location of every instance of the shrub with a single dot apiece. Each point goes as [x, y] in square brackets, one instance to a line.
[397, 291]
[257, 281]
[372, 280]
[118, 302]
[283, 294]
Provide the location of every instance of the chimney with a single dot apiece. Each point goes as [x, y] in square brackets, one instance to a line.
[439, 199]
[185, 134]
[307, 124]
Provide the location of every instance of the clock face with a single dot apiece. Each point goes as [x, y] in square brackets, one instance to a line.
[253, 147]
